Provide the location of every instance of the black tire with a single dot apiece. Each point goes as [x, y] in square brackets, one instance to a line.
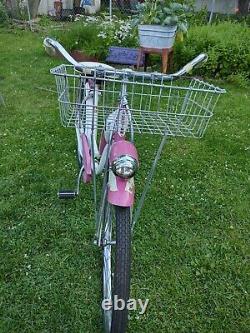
[122, 267]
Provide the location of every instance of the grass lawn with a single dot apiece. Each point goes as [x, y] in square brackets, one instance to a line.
[190, 245]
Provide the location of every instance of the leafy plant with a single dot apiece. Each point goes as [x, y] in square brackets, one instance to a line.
[95, 35]
[240, 80]
[201, 17]
[160, 12]
[227, 45]
[3, 14]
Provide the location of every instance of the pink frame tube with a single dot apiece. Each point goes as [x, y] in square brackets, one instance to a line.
[87, 173]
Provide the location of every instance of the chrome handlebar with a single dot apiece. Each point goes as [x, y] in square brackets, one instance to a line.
[199, 60]
[53, 47]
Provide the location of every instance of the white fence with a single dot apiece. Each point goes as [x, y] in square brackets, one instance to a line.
[46, 7]
[220, 6]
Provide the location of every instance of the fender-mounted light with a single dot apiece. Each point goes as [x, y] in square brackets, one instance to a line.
[124, 166]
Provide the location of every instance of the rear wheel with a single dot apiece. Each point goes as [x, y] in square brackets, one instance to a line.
[116, 270]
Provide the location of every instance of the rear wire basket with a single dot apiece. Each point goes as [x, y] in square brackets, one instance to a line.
[180, 107]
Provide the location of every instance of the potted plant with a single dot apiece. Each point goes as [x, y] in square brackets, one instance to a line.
[159, 22]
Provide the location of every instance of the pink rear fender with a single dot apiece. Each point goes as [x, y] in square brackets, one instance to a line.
[121, 192]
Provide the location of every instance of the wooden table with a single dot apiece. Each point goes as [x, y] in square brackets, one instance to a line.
[166, 56]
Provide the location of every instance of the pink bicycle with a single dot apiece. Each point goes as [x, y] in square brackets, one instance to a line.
[120, 103]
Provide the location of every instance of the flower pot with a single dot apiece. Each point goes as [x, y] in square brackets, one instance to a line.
[157, 36]
[80, 56]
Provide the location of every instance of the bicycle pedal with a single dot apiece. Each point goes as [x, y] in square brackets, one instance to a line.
[67, 194]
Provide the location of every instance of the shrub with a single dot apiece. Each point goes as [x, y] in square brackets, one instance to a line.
[217, 18]
[3, 14]
[198, 18]
[201, 17]
[77, 36]
[227, 45]
[239, 80]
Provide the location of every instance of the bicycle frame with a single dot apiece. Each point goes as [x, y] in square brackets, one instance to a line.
[187, 111]
[157, 105]
[120, 192]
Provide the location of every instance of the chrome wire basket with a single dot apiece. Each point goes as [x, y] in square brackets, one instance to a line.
[157, 103]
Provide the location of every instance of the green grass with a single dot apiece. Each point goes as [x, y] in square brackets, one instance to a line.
[190, 245]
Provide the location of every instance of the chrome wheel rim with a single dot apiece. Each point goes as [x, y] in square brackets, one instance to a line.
[107, 271]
